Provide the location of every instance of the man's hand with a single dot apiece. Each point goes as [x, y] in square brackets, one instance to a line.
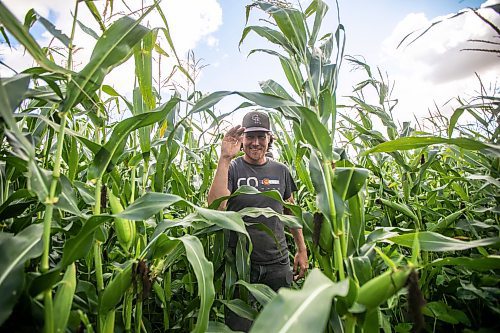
[232, 142]
[300, 264]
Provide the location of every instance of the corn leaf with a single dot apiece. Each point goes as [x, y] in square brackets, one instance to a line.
[64, 299]
[115, 290]
[204, 272]
[491, 262]
[290, 21]
[14, 251]
[262, 292]
[304, 310]
[116, 142]
[271, 35]
[349, 181]
[316, 134]
[407, 143]
[78, 246]
[113, 48]
[22, 35]
[434, 242]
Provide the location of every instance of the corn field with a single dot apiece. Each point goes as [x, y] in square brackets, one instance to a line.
[104, 221]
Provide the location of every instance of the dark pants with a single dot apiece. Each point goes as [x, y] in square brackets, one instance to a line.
[274, 275]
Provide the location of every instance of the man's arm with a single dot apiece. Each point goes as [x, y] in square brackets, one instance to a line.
[301, 260]
[219, 184]
[229, 148]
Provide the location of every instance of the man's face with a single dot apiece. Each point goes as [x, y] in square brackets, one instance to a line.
[255, 146]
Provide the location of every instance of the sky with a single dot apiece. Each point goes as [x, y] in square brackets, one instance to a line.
[432, 71]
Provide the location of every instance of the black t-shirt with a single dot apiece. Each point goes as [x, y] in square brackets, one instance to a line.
[270, 176]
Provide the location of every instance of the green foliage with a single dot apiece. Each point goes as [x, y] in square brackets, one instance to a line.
[376, 204]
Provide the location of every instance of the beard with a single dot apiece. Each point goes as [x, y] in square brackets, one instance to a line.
[254, 153]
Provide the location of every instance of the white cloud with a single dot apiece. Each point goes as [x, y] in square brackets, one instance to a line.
[190, 22]
[20, 7]
[212, 41]
[438, 54]
[15, 58]
[435, 68]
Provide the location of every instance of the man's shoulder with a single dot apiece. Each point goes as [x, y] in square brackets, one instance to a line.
[236, 161]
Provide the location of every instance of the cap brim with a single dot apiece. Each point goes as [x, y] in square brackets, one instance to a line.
[256, 129]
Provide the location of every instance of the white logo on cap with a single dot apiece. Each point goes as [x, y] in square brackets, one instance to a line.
[256, 119]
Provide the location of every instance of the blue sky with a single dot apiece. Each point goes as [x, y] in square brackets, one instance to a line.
[432, 70]
[367, 24]
[373, 29]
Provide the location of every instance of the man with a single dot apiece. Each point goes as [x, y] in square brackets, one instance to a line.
[269, 259]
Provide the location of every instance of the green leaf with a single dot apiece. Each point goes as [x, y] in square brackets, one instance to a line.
[144, 132]
[356, 223]
[109, 322]
[491, 262]
[305, 310]
[204, 271]
[315, 133]
[16, 88]
[164, 246]
[216, 327]
[327, 106]
[271, 35]
[273, 88]
[95, 13]
[243, 257]
[453, 120]
[79, 246]
[21, 34]
[265, 100]
[434, 242]
[227, 220]
[113, 48]
[262, 292]
[290, 21]
[402, 208]
[114, 291]
[116, 142]
[15, 204]
[250, 190]
[14, 251]
[320, 8]
[148, 205]
[86, 192]
[486, 178]
[446, 221]
[88, 30]
[53, 30]
[92, 146]
[11, 94]
[290, 68]
[349, 181]
[64, 299]
[39, 181]
[444, 312]
[288, 220]
[143, 67]
[321, 184]
[407, 143]
[241, 308]
[67, 198]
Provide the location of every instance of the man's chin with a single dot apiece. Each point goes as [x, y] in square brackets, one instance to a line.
[256, 157]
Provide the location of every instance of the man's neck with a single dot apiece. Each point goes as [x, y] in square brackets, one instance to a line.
[251, 161]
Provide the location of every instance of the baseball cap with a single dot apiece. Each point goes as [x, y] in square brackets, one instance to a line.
[256, 121]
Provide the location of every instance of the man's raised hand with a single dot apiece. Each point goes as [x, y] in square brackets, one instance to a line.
[232, 142]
